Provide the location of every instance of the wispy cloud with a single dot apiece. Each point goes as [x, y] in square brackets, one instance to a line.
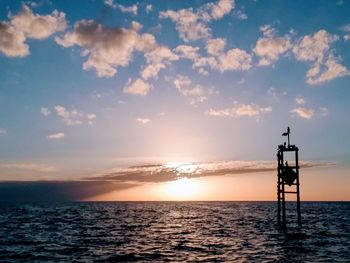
[156, 59]
[240, 110]
[3, 131]
[56, 136]
[42, 168]
[125, 9]
[45, 111]
[128, 9]
[323, 111]
[143, 120]
[110, 3]
[193, 25]
[300, 101]
[241, 15]
[315, 48]
[195, 93]
[346, 29]
[303, 112]
[74, 117]
[137, 87]
[219, 59]
[149, 8]
[173, 171]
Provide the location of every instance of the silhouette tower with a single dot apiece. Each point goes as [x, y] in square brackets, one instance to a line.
[287, 176]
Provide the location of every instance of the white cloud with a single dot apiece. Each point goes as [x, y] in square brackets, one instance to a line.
[26, 24]
[137, 87]
[300, 101]
[195, 93]
[326, 71]
[56, 136]
[203, 62]
[74, 117]
[308, 113]
[346, 37]
[270, 47]
[193, 25]
[316, 49]
[304, 113]
[42, 168]
[234, 59]
[218, 59]
[106, 48]
[110, 48]
[38, 26]
[188, 52]
[45, 111]
[189, 24]
[149, 8]
[12, 42]
[3, 131]
[158, 58]
[215, 46]
[240, 110]
[221, 8]
[143, 120]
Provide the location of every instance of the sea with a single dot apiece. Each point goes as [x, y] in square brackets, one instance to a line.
[173, 232]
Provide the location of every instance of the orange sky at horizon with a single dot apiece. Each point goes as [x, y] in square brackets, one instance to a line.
[317, 184]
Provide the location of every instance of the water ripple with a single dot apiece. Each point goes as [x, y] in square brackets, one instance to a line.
[172, 231]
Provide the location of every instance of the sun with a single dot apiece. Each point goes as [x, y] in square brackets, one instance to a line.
[181, 189]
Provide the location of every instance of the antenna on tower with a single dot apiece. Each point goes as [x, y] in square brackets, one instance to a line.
[287, 134]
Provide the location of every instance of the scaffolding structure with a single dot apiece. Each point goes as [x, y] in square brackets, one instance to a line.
[287, 176]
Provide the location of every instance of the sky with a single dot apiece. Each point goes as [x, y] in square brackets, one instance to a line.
[172, 100]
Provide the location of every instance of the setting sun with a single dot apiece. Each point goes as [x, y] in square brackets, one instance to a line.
[181, 189]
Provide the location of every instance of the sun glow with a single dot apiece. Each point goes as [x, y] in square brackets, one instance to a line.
[181, 189]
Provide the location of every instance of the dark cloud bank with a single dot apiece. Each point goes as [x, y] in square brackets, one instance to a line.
[52, 191]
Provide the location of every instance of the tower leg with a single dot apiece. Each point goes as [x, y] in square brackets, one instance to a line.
[279, 188]
[298, 188]
[279, 202]
[283, 206]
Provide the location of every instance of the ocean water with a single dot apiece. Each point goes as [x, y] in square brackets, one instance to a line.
[173, 231]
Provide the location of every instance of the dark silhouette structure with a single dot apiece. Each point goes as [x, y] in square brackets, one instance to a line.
[287, 175]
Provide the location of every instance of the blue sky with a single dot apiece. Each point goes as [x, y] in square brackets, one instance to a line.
[88, 88]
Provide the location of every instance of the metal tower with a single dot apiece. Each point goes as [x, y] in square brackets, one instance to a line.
[287, 176]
